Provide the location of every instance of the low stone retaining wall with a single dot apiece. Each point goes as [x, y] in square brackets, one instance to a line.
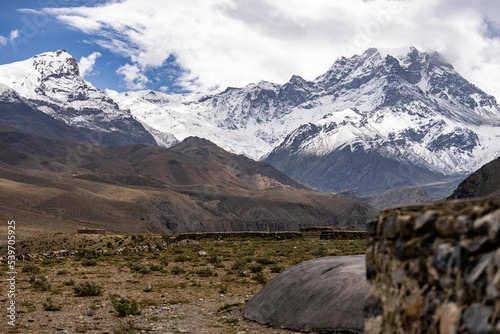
[342, 235]
[222, 235]
[326, 234]
[186, 237]
[435, 269]
[91, 231]
[331, 233]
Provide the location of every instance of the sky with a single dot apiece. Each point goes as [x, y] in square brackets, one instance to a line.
[204, 46]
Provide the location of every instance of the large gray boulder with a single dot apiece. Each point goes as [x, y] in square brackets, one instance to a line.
[322, 294]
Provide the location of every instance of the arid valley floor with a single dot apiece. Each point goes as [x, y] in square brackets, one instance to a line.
[147, 284]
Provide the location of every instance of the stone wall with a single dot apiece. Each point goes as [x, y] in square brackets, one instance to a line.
[330, 235]
[91, 231]
[244, 234]
[435, 269]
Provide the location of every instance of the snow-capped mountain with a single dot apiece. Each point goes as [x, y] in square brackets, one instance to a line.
[372, 122]
[50, 82]
[407, 112]
[182, 116]
[412, 111]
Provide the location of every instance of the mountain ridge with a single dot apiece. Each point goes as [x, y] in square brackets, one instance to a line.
[409, 110]
[50, 82]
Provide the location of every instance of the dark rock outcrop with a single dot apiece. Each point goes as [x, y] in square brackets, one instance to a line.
[484, 182]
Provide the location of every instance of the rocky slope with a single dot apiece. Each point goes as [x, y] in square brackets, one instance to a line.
[19, 113]
[483, 182]
[399, 197]
[196, 186]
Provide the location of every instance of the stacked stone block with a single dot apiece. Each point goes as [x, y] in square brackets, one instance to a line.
[435, 269]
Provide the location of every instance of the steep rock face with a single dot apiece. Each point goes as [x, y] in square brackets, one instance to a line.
[483, 182]
[18, 113]
[51, 83]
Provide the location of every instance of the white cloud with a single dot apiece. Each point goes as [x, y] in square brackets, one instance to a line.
[224, 43]
[14, 34]
[86, 64]
[133, 77]
[84, 24]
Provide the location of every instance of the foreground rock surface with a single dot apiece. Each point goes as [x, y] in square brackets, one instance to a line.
[435, 269]
[327, 293]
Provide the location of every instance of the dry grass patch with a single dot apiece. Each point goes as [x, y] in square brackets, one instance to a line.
[161, 290]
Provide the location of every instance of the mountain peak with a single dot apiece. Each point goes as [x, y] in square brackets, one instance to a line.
[370, 51]
[398, 53]
[52, 83]
[194, 142]
[56, 63]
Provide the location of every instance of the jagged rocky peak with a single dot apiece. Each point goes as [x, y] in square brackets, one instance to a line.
[58, 63]
[296, 91]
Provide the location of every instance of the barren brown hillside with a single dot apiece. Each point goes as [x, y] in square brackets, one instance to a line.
[60, 185]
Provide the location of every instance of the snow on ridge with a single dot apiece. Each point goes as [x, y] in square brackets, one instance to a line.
[355, 102]
[398, 53]
[342, 116]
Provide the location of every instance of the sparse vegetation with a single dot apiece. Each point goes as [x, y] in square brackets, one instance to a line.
[265, 261]
[276, 269]
[89, 262]
[320, 251]
[227, 307]
[69, 283]
[50, 306]
[88, 289]
[239, 265]
[156, 267]
[31, 268]
[260, 278]
[182, 258]
[205, 272]
[213, 259]
[223, 289]
[40, 283]
[255, 268]
[88, 254]
[144, 282]
[127, 327]
[139, 268]
[177, 271]
[124, 306]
